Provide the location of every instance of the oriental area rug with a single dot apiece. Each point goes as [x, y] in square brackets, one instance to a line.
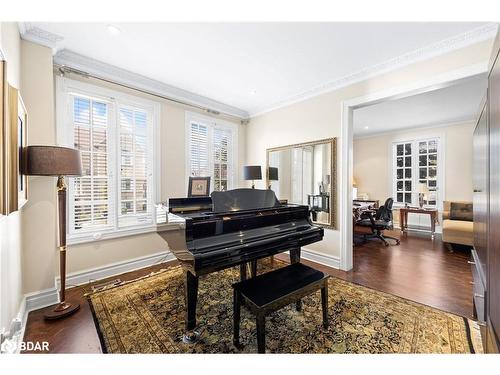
[147, 316]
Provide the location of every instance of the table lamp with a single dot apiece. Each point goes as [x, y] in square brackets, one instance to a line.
[60, 162]
[423, 192]
[272, 175]
[252, 172]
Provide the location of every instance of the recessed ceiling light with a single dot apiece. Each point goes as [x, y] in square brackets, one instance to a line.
[253, 92]
[114, 30]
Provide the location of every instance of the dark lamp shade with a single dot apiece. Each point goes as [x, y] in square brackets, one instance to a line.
[273, 174]
[52, 161]
[252, 172]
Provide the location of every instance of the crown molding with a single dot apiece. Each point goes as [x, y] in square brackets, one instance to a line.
[417, 127]
[479, 34]
[100, 69]
[34, 34]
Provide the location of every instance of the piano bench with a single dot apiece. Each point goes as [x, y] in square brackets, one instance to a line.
[274, 290]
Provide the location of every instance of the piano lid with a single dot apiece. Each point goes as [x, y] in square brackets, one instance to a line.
[243, 199]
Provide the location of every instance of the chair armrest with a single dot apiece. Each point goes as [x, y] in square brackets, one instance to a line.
[368, 214]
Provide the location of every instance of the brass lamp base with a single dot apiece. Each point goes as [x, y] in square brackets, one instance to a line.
[61, 310]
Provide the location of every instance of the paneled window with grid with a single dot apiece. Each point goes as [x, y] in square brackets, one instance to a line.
[427, 167]
[416, 162]
[404, 181]
[115, 135]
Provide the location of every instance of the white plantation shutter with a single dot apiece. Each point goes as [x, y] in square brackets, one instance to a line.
[221, 158]
[134, 171]
[90, 203]
[211, 153]
[115, 135]
[199, 150]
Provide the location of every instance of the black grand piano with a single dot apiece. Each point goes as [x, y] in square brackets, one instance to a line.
[233, 228]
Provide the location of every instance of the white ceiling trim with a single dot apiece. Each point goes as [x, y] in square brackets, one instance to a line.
[421, 127]
[36, 35]
[123, 76]
[468, 38]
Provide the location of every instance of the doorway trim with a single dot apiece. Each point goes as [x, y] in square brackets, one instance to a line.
[346, 140]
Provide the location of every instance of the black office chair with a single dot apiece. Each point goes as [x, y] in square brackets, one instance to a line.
[379, 221]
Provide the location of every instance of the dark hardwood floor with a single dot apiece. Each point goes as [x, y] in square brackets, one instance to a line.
[418, 269]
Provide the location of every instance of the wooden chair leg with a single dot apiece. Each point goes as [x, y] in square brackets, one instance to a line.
[324, 304]
[261, 334]
[236, 317]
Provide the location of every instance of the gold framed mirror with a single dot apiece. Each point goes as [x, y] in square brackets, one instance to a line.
[305, 173]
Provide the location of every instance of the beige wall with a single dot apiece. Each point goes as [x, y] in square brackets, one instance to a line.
[41, 266]
[39, 217]
[320, 116]
[11, 293]
[372, 159]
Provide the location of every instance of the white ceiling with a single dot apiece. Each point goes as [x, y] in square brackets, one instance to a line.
[452, 104]
[250, 66]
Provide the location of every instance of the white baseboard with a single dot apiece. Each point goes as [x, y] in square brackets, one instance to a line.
[113, 269]
[42, 298]
[11, 341]
[47, 297]
[326, 260]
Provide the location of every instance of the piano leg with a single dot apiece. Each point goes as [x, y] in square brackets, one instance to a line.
[295, 255]
[191, 296]
[295, 258]
[253, 268]
[243, 271]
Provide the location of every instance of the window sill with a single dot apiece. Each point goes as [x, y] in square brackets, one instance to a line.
[97, 237]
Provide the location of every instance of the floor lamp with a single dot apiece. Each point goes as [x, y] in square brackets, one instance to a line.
[60, 162]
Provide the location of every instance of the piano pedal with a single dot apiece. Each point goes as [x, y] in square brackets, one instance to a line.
[191, 337]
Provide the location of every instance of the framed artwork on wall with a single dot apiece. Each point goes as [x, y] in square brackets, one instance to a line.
[22, 142]
[198, 186]
[16, 186]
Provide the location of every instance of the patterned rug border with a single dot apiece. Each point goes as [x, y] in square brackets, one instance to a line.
[471, 326]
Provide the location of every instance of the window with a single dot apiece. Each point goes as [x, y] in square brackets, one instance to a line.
[114, 133]
[211, 151]
[416, 162]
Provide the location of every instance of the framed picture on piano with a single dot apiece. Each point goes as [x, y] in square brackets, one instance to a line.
[198, 186]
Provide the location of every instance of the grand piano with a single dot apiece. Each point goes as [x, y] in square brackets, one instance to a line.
[235, 228]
